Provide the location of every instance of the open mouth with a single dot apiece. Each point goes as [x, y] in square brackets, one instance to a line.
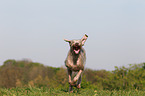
[76, 49]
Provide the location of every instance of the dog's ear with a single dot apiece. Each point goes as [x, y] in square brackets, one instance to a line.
[69, 41]
[84, 39]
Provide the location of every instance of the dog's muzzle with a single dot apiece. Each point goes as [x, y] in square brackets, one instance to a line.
[76, 48]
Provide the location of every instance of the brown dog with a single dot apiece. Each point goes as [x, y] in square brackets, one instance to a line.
[75, 61]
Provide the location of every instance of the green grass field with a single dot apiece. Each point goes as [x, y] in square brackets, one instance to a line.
[63, 92]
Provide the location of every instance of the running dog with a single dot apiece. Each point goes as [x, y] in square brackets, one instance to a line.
[75, 61]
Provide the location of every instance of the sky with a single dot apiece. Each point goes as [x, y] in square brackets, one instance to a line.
[35, 29]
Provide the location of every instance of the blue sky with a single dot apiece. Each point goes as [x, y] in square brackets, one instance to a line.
[35, 29]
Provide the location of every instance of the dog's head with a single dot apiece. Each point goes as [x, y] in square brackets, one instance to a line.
[76, 45]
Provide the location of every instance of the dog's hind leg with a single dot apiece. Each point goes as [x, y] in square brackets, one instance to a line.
[70, 88]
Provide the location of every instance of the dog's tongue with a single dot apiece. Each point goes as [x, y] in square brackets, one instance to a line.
[77, 51]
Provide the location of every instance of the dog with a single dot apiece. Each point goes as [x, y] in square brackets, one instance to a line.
[75, 61]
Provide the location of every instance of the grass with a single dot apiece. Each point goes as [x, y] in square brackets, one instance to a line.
[63, 92]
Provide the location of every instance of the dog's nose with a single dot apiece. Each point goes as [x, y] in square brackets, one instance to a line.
[76, 44]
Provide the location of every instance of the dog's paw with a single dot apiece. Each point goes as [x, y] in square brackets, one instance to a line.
[69, 82]
[72, 83]
[79, 86]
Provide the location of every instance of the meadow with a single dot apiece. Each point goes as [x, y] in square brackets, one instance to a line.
[25, 78]
[31, 91]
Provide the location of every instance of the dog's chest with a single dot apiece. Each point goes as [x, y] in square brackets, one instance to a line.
[78, 63]
[75, 62]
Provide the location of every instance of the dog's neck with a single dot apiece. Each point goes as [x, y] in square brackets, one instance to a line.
[75, 57]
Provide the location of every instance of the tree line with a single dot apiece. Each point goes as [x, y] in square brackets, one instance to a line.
[26, 73]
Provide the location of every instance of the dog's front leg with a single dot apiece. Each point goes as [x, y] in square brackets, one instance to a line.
[78, 85]
[69, 77]
[76, 77]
